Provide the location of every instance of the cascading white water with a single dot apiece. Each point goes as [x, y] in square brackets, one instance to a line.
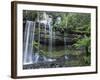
[45, 31]
[65, 43]
[50, 37]
[28, 39]
[31, 56]
[54, 41]
[37, 54]
[65, 46]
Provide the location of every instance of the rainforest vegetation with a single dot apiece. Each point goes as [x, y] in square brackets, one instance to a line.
[64, 37]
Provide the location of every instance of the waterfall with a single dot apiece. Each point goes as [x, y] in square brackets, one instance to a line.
[50, 38]
[65, 46]
[45, 31]
[32, 55]
[65, 42]
[36, 56]
[27, 44]
[54, 39]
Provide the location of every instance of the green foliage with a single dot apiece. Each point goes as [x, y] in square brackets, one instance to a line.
[83, 42]
[64, 21]
[87, 59]
[79, 21]
[69, 20]
[29, 15]
[35, 44]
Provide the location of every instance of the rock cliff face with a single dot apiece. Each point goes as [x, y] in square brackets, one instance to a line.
[57, 36]
[37, 34]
